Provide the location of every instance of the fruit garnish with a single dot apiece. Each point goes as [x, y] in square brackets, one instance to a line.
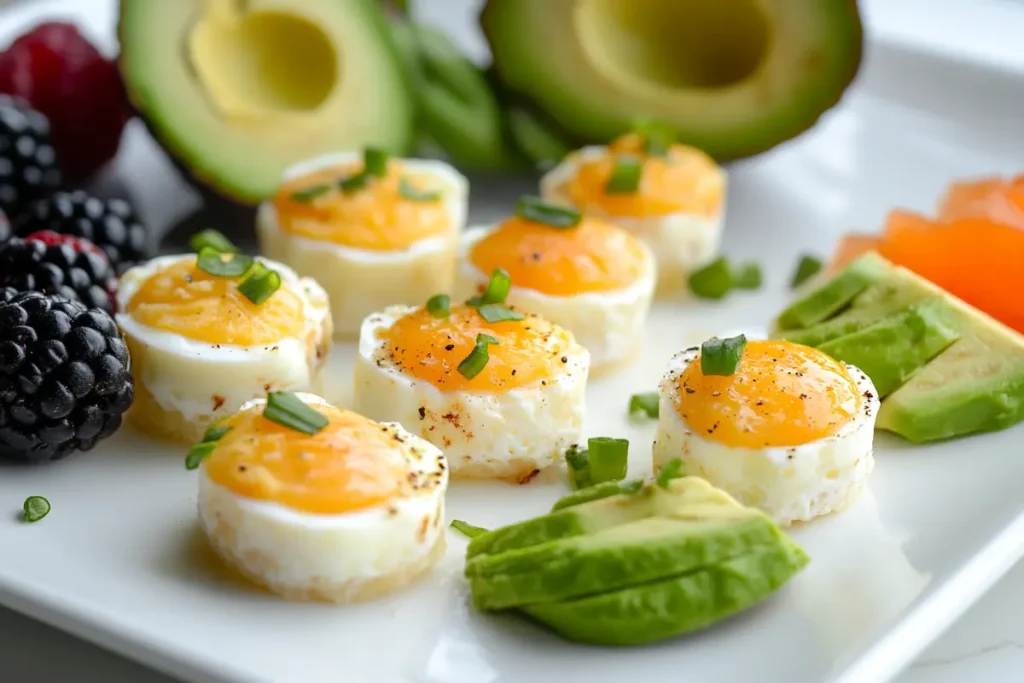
[30, 168]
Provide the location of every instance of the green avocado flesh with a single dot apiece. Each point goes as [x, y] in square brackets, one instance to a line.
[239, 90]
[733, 78]
[688, 548]
[944, 368]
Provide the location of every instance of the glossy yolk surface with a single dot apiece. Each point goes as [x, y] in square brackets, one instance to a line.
[782, 394]
[351, 464]
[593, 257]
[431, 349]
[375, 217]
[187, 301]
[685, 179]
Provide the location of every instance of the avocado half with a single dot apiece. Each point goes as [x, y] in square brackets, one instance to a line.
[239, 90]
[733, 77]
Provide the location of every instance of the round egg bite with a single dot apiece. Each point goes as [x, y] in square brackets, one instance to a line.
[594, 279]
[677, 207]
[200, 348]
[789, 432]
[514, 417]
[370, 242]
[349, 513]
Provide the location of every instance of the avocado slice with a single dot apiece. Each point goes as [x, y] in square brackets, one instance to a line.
[239, 90]
[833, 296]
[733, 79]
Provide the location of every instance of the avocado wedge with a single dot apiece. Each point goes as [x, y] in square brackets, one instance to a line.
[239, 90]
[943, 368]
[733, 78]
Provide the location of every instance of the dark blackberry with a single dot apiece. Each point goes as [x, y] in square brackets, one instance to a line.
[28, 164]
[59, 264]
[110, 224]
[64, 379]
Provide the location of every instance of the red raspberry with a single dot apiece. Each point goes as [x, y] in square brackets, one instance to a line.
[65, 77]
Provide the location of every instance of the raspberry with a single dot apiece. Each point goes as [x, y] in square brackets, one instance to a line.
[65, 77]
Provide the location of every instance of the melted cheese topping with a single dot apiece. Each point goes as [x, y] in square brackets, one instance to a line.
[192, 303]
[594, 256]
[782, 394]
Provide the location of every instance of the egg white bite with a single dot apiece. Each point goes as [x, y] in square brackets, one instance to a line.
[595, 279]
[200, 349]
[678, 209]
[510, 421]
[370, 246]
[789, 432]
[350, 513]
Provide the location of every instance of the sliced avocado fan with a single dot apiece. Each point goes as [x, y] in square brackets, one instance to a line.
[239, 90]
[733, 78]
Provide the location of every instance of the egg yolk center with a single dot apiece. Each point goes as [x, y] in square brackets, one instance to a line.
[594, 256]
[430, 349]
[351, 464]
[376, 216]
[192, 303]
[685, 179]
[782, 394]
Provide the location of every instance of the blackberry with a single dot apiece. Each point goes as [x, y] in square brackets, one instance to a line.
[110, 224]
[64, 379]
[58, 264]
[28, 164]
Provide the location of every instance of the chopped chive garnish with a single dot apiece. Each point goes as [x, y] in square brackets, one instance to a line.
[597, 492]
[375, 162]
[645, 404]
[214, 433]
[476, 361]
[625, 177]
[439, 306]
[673, 469]
[497, 290]
[536, 210]
[658, 137]
[577, 462]
[35, 508]
[807, 268]
[721, 356]
[468, 530]
[288, 410]
[211, 261]
[748, 276]
[211, 239]
[409, 191]
[713, 281]
[310, 193]
[608, 458]
[260, 284]
[198, 453]
[496, 313]
[353, 182]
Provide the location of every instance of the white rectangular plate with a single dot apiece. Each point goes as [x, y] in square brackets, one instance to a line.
[119, 561]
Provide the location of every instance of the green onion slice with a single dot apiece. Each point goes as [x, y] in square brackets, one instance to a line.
[807, 268]
[497, 290]
[713, 281]
[608, 458]
[658, 137]
[198, 453]
[496, 313]
[375, 162]
[673, 469]
[625, 177]
[214, 433]
[35, 508]
[473, 364]
[211, 261]
[644, 404]
[577, 462]
[748, 276]
[260, 284]
[354, 182]
[409, 191]
[439, 306]
[536, 210]
[288, 410]
[468, 530]
[308, 194]
[212, 239]
[721, 356]
[597, 492]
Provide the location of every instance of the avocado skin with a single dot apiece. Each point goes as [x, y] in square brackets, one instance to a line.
[894, 348]
[662, 609]
[824, 302]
